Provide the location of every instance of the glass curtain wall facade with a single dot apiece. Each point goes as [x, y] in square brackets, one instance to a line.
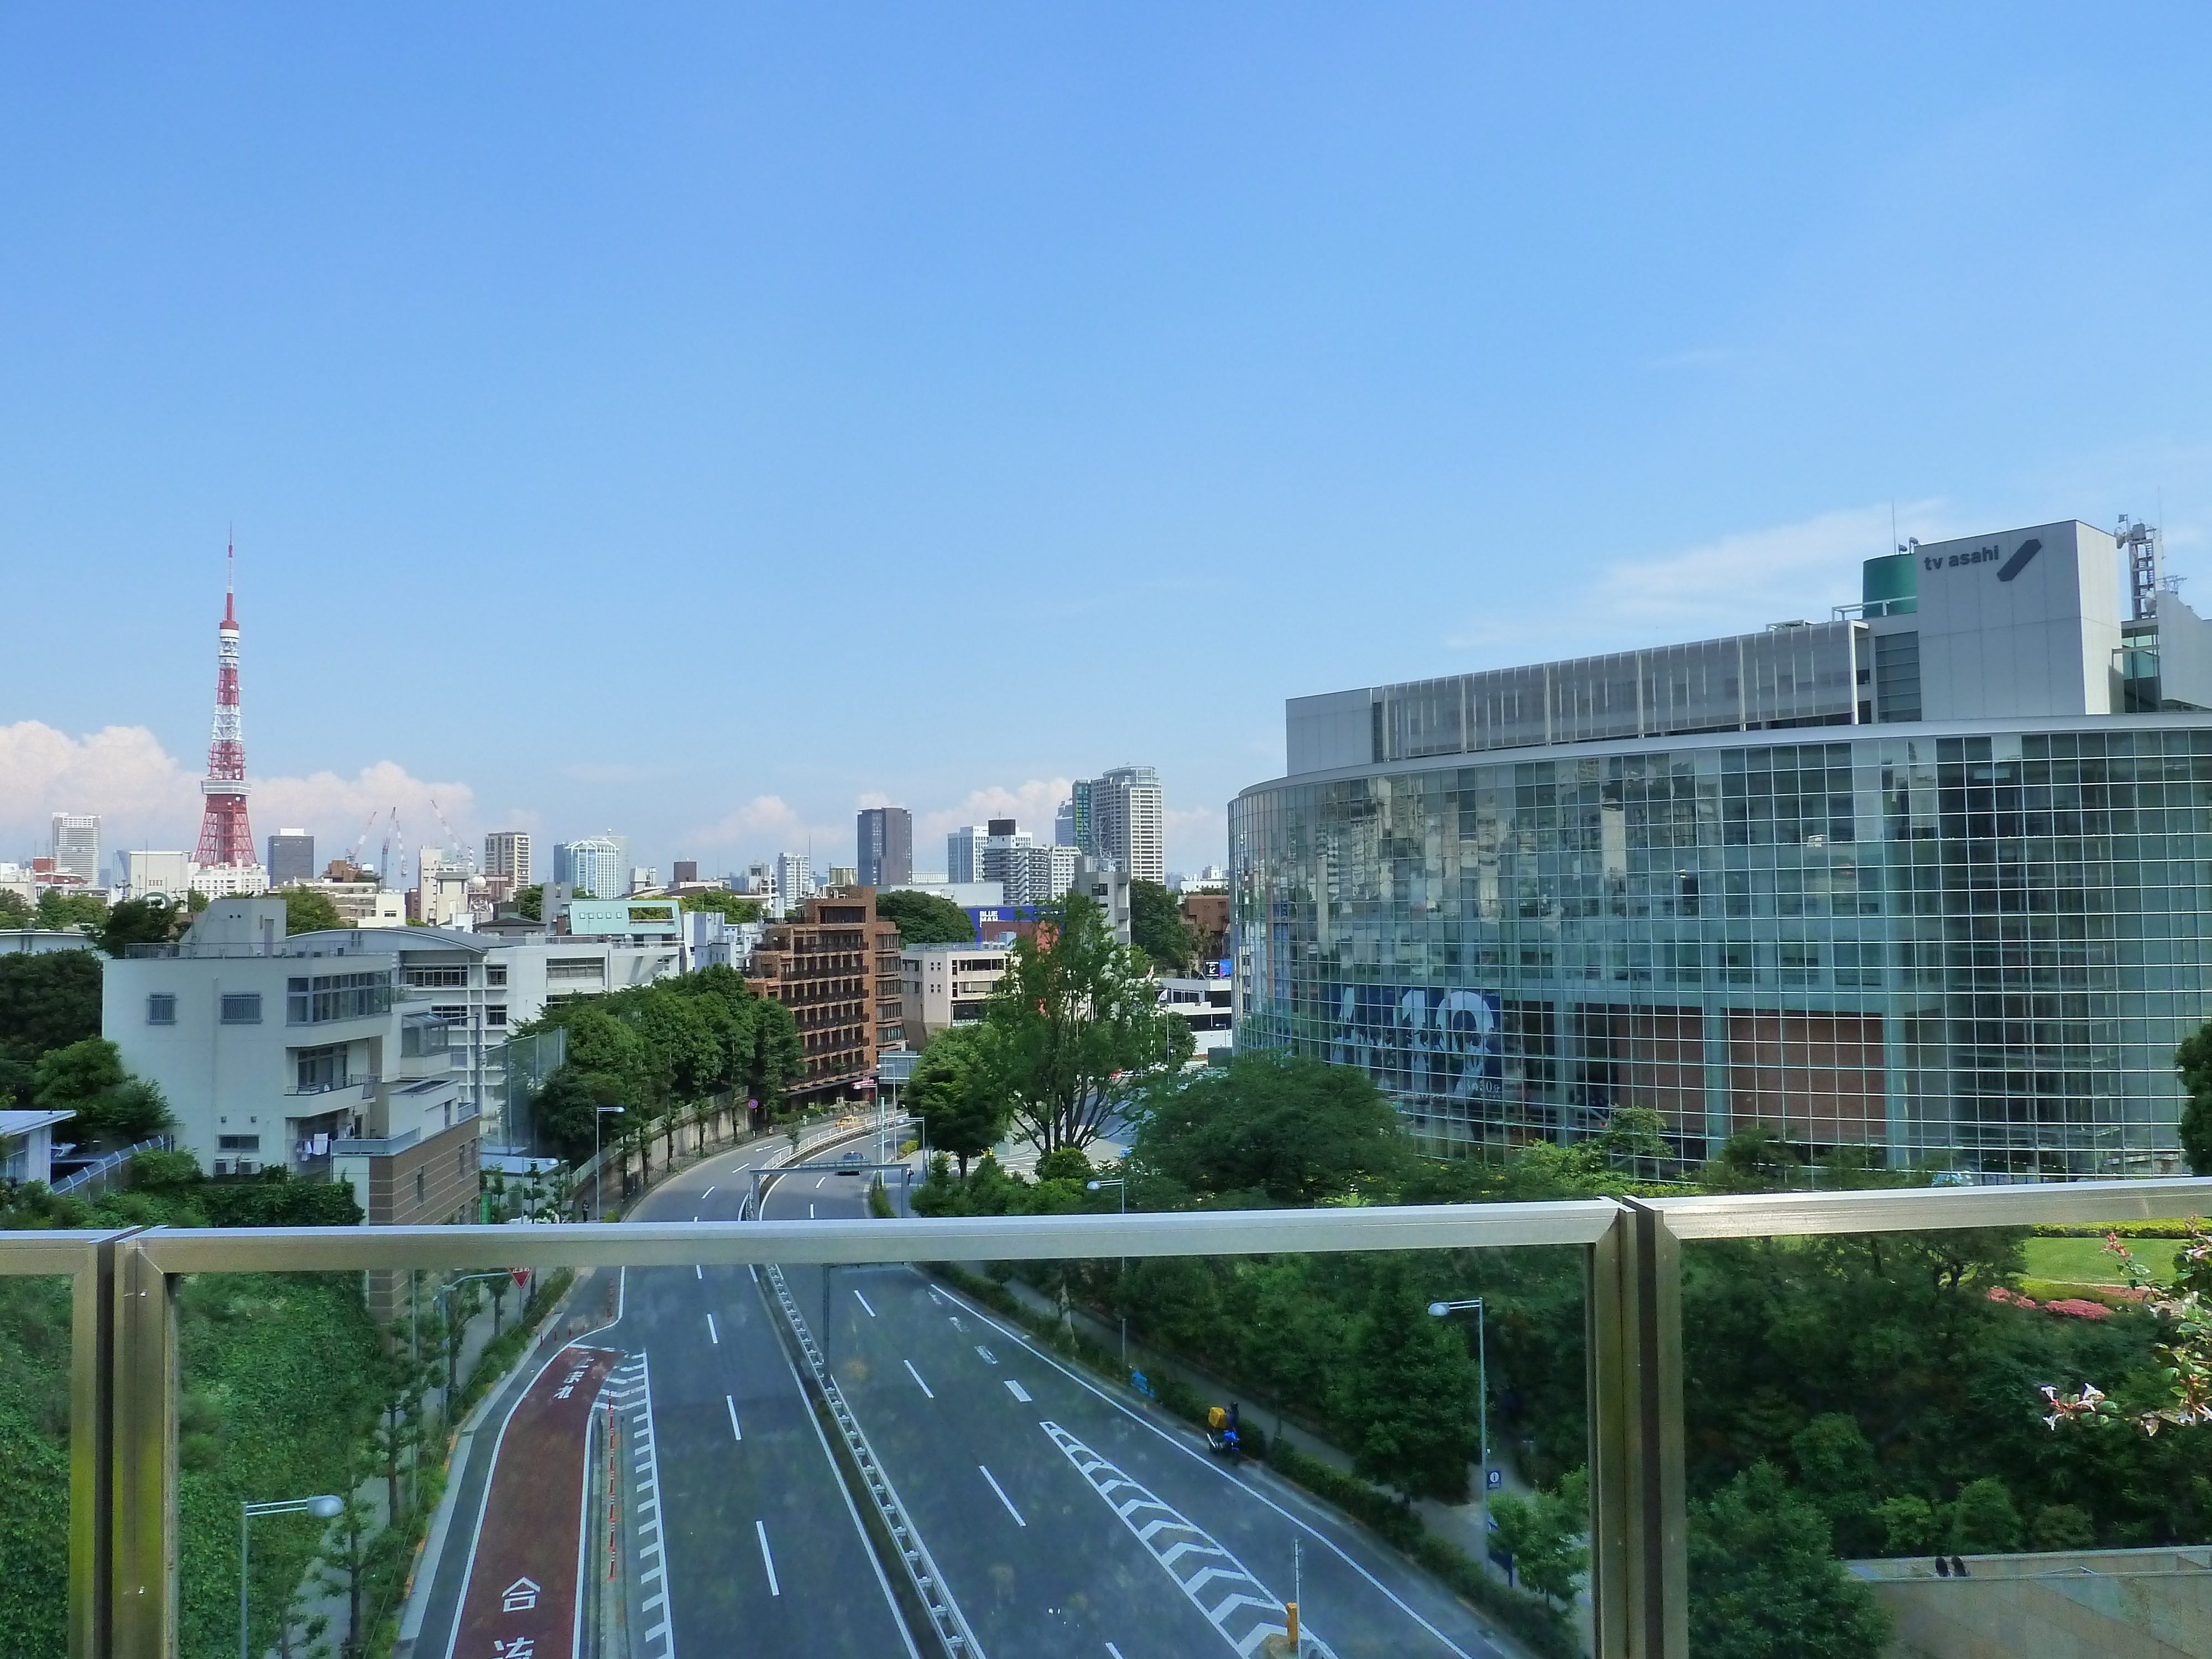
[1976, 948]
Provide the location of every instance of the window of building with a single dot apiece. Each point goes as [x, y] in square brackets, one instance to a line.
[242, 1008]
[496, 1014]
[433, 978]
[335, 996]
[321, 1069]
[237, 1143]
[422, 1186]
[495, 975]
[161, 1009]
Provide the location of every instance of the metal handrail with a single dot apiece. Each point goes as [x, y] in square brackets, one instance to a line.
[124, 1383]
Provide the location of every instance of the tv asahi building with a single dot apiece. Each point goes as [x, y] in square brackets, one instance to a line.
[1931, 879]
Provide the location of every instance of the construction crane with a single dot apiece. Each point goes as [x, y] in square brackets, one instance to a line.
[393, 836]
[353, 852]
[462, 856]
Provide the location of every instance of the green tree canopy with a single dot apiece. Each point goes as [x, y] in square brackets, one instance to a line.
[309, 910]
[2193, 1060]
[1546, 1533]
[113, 1108]
[530, 902]
[47, 1001]
[58, 910]
[1409, 1402]
[957, 1091]
[1071, 1016]
[722, 902]
[926, 918]
[1271, 1128]
[14, 909]
[1157, 927]
[1763, 1584]
[149, 920]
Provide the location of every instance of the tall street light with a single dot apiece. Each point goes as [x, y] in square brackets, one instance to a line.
[1121, 1187]
[1444, 1310]
[326, 1507]
[599, 1174]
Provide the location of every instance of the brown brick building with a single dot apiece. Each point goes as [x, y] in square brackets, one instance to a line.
[835, 966]
[1207, 915]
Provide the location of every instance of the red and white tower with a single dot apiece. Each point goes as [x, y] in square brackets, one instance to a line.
[226, 837]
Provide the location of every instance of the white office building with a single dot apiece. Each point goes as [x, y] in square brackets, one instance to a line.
[147, 875]
[963, 853]
[597, 865]
[1207, 1005]
[1128, 822]
[795, 882]
[506, 853]
[76, 846]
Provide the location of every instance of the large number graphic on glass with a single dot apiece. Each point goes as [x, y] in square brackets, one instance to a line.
[1420, 1040]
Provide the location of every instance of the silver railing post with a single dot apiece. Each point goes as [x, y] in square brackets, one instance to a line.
[143, 1445]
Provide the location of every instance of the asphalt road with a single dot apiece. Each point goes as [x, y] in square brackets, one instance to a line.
[1063, 1519]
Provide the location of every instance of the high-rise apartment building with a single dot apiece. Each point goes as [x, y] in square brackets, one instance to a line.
[1072, 828]
[291, 857]
[598, 865]
[76, 846]
[1032, 874]
[795, 882]
[885, 846]
[1004, 841]
[836, 965]
[506, 852]
[1128, 822]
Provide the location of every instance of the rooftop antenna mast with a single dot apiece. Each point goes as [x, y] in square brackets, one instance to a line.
[2145, 549]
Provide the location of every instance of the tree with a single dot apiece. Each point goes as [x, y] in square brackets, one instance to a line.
[778, 1057]
[113, 1108]
[724, 903]
[2193, 1060]
[47, 1001]
[1984, 1521]
[60, 910]
[926, 918]
[1754, 1157]
[1271, 1127]
[149, 920]
[309, 910]
[1409, 1400]
[566, 1110]
[14, 911]
[1836, 1471]
[1763, 1584]
[955, 1088]
[1074, 1012]
[530, 902]
[1157, 927]
[1546, 1532]
[1633, 1132]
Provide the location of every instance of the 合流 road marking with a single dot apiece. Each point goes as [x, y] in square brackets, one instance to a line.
[990, 1359]
[1003, 1499]
[760, 1528]
[736, 1433]
[916, 1375]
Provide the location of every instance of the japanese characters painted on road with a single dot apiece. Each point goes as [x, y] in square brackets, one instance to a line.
[519, 1599]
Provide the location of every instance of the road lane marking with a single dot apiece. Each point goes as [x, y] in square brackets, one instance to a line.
[809, 1208]
[698, 1269]
[916, 1375]
[650, 1602]
[695, 1217]
[709, 1193]
[736, 1433]
[990, 1359]
[818, 1180]
[1003, 1499]
[1235, 1603]
[1114, 1652]
[1018, 1391]
[712, 1335]
[767, 1560]
[1249, 1489]
[864, 1302]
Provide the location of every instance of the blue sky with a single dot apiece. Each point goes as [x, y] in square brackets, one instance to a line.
[697, 421]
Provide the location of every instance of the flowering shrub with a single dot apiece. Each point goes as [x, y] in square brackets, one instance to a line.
[2075, 1307]
[2011, 1298]
[2184, 1307]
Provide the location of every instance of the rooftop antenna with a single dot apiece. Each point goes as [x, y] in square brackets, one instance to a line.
[2146, 554]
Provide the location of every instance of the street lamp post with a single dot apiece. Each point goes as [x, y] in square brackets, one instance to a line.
[1121, 1187]
[599, 1174]
[1442, 1310]
[326, 1507]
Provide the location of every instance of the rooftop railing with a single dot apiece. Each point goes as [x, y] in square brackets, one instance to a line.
[125, 1389]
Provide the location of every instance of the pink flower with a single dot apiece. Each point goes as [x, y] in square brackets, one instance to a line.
[2075, 1307]
[2011, 1298]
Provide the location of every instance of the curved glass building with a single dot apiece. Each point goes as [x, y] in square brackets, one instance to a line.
[1933, 878]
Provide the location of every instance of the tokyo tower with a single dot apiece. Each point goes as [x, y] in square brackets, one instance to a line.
[226, 837]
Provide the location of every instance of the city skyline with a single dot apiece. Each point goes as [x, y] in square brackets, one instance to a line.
[1409, 346]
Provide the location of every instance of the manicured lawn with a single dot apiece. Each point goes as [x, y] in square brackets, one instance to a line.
[2086, 1260]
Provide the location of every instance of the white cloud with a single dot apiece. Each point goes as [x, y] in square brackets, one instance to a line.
[768, 824]
[1735, 584]
[147, 797]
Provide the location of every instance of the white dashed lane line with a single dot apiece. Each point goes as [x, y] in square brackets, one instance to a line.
[1003, 1499]
[864, 1302]
[712, 1335]
[916, 1375]
[760, 1530]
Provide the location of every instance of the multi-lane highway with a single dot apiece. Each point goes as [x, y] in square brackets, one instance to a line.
[1063, 1519]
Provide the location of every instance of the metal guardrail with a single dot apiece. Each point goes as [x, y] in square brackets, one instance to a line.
[109, 1165]
[124, 1535]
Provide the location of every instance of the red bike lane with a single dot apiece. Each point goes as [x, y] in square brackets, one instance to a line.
[519, 1600]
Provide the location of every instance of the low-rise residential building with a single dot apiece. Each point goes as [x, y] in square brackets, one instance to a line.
[836, 965]
[1206, 1006]
[26, 1145]
[1207, 915]
[942, 985]
[38, 941]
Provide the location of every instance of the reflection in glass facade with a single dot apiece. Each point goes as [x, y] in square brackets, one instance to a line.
[1978, 949]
